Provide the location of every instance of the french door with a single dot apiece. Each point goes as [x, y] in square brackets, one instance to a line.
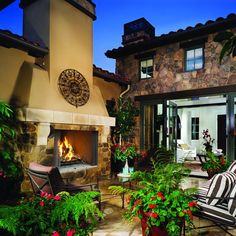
[158, 125]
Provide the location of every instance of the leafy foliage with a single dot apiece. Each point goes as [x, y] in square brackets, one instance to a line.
[159, 198]
[125, 151]
[47, 215]
[228, 40]
[124, 113]
[215, 164]
[10, 167]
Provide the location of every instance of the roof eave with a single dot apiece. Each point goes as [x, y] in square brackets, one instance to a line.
[173, 38]
[10, 41]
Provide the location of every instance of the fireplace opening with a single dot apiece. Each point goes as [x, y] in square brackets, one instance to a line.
[75, 147]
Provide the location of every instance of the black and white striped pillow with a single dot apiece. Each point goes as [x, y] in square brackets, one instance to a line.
[220, 186]
[232, 167]
[232, 201]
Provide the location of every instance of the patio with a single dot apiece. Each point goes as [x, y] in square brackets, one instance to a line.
[114, 225]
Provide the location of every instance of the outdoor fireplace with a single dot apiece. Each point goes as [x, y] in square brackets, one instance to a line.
[75, 147]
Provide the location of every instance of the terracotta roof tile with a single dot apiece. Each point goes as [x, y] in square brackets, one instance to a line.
[108, 76]
[181, 34]
[11, 40]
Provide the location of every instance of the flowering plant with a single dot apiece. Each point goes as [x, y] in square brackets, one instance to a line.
[159, 200]
[62, 215]
[125, 151]
[207, 140]
[215, 164]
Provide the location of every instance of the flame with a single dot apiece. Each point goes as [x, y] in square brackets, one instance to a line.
[66, 151]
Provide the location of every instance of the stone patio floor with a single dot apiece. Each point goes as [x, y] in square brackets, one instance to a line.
[114, 225]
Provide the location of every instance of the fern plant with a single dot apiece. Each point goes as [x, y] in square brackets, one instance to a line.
[47, 215]
[159, 200]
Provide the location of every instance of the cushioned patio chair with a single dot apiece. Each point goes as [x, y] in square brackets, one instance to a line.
[48, 179]
[217, 200]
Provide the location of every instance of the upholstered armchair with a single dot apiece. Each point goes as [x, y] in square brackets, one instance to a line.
[185, 151]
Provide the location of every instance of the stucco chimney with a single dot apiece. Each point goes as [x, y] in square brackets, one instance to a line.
[137, 31]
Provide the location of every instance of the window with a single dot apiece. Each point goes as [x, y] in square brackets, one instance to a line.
[195, 128]
[146, 68]
[194, 59]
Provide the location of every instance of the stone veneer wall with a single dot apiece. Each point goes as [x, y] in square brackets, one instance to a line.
[169, 74]
[32, 132]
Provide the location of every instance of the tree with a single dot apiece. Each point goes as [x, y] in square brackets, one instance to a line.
[228, 41]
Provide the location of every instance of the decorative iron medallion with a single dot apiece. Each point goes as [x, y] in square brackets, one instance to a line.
[73, 87]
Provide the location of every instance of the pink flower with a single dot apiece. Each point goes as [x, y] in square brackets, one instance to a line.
[57, 198]
[41, 203]
[55, 233]
[49, 196]
[42, 194]
[70, 232]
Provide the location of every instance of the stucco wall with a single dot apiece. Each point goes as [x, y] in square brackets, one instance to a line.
[12, 74]
[109, 90]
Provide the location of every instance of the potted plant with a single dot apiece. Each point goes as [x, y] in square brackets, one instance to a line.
[207, 140]
[160, 202]
[62, 215]
[215, 164]
[124, 154]
[11, 171]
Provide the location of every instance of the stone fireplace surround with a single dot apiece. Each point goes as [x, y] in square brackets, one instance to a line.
[36, 125]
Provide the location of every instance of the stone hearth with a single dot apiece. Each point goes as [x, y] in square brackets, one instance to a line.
[36, 127]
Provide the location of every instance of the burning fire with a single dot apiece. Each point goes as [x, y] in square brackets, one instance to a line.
[66, 151]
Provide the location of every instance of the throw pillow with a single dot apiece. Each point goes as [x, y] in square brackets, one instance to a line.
[219, 188]
[232, 202]
[232, 167]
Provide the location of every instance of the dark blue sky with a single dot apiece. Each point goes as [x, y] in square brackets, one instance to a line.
[164, 15]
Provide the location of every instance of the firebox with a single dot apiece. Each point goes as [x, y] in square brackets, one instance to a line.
[75, 147]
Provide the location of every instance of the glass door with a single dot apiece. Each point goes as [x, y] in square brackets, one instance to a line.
[231, 126]
[172, 127]
[153, 125]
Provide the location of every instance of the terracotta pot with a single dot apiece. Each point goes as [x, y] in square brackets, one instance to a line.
[153, 231]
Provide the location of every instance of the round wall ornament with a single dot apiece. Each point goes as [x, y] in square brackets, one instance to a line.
[73, 87]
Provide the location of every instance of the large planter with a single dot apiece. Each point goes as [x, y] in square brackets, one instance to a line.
[153, 231]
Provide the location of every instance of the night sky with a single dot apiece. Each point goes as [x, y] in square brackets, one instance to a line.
[164, 15]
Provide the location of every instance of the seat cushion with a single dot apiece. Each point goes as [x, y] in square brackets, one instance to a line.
[38, 167]
[220, 186]
[232, 201]
[218, 213]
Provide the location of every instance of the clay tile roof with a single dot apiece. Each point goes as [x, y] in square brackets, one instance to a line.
[108, 76]
[11, 40]
[180, 35]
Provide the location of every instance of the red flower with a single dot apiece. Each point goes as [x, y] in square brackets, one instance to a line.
[189, 212]
[154, 215]
[41, 203]
[57, 198]
[163, 198]
[159, 194]
[152, 206]
[192, 204]
[55, 233]
[137, 202]
[70, 232]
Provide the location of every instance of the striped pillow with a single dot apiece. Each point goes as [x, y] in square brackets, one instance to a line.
[232, 167]
[232, 201]
[220, 186]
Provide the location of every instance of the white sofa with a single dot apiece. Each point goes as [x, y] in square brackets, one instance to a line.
[185, 151]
